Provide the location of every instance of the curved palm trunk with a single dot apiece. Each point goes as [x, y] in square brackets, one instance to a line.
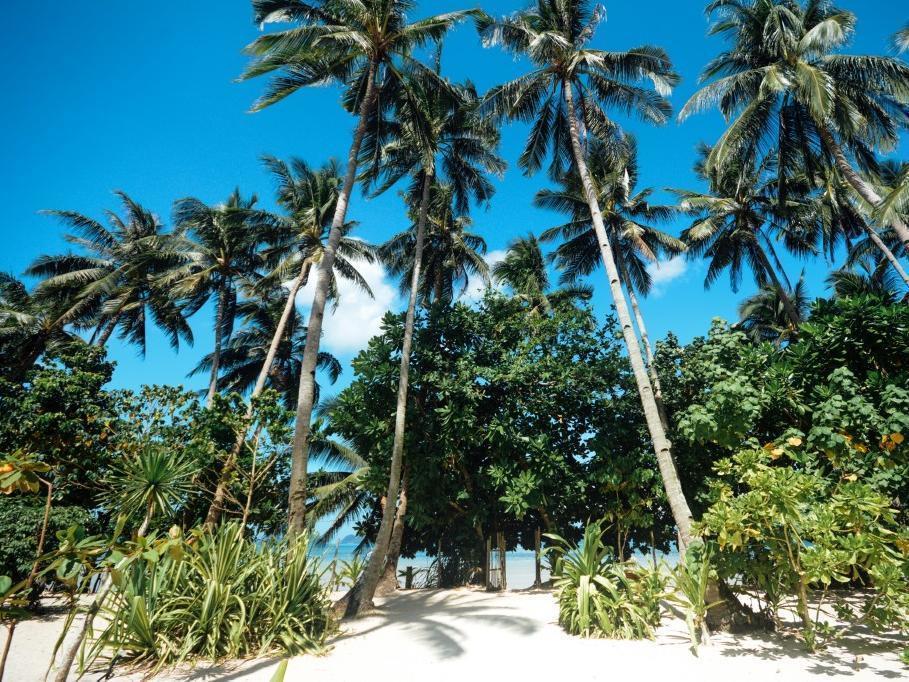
[361, 595]
[794, 318]
[648, 350]
[389, 580]
[663, 449]
[216, 355]
[296, 518]
[105, 334]
[884, 249]
[858, 183]
[217, 502]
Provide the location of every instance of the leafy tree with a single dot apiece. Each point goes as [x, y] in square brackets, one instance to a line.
[564, 92]
[364, 46]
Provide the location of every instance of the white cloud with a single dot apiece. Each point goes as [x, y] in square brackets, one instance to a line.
[358, 317]
[476, 287]
[663, 273]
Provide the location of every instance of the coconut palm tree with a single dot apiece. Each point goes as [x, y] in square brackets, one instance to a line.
[220, 249]
[564, 95]
[763, 316]
[113, 285]
[628, 216]
[244, 355]
[781, 85]
[735, 222]
[523, 270]
[901, 39]
[452, 254]
[30, 325]
[365, 46]
[434, 134]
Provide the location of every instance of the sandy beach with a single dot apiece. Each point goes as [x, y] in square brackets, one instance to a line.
[467, 634]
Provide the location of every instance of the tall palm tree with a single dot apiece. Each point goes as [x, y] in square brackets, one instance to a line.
[901, 39]
[30, 325]
[782, 85]
[452, 254]
[628, 216]
[564, 93]
[244, 355]
[361, 45]
[113, 284]
[523, 270]
[763, 317]
[219, 246]
[733, 225]
[434, 134]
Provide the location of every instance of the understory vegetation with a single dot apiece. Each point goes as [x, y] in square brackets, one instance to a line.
[756, 474]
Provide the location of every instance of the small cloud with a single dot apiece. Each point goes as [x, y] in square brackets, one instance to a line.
[358, 317]
[476, 287]
[663, 273]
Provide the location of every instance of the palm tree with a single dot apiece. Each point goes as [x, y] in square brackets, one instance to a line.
[865, 279]
[30, 325]
[219, 246]
[628, 216]
[523, 270]
[781, 85]
[434, 134]
[763, 316]
[245, 354]
[452, 254]
[732, 223]
[565, 92]
[361, 45]
[114, 285]
[901, 39]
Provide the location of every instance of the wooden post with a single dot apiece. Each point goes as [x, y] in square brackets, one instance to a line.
[503, 585]
[538, 569]
[408, 578]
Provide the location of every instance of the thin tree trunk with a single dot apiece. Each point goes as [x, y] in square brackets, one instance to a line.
[216, 355]
[793, 315]
[362, 594]
[389, 580]
[884, 249]
[106, 332]
[252, 478]
[296, 520]
[217, 502]
[648, 350]
[864, 190]
[661, 445]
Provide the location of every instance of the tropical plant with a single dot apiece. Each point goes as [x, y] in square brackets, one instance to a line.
[691, 579]
[599, 597]
[763, 315]
[866, 279]
[365, 46]
[351, 571]
[901, 39]
[782, 86]
[219, 247]
[115, 284]
[219, 595]
[563, 94]
[523, 271]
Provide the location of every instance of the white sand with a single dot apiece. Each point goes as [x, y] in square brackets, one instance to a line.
[468, 635]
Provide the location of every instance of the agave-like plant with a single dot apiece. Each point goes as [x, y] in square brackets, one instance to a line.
[599, 597]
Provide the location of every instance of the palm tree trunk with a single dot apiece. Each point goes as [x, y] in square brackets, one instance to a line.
[888, 254]
[648, 350]
[661, 445]
[217, 500]
[296, 518]
[389, 580]
[216, 355]
[362, 594]
[794, 318]
[864, 190]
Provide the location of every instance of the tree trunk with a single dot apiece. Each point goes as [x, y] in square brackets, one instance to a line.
[217, 502]
[362, 594]
[296, 517]
[537, 559]
[648, 350]
[389, 580]
[794, 318]
[888, 254]
[104, 336]
[661, 445]
[863, 189]
[216, 355]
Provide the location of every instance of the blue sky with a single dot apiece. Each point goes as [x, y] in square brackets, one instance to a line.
[142, 97]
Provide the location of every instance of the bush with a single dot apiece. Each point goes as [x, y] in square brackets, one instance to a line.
[599, 597]
[219, 596]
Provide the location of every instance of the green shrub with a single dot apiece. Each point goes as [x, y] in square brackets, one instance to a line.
[219, 596]
[599, 597]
